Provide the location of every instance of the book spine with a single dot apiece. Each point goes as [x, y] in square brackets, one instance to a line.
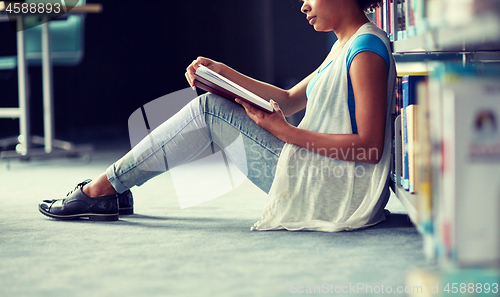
[449, 177]
[411, 127]
[393, 153]
[393, 21]
[378, 17]
[435, 134]
[385, 25]
[420, 21]
[402, 167]
[404, 128]
[398, 107]
[410, 23]
[423, 159]
[401, 15]
[388, 19]
[423, 178]
[411, 111]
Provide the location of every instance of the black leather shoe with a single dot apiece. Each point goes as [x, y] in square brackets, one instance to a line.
[78, 205]
[126, 203]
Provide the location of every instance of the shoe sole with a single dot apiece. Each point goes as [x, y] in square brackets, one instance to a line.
[126, 211]
[90, 216]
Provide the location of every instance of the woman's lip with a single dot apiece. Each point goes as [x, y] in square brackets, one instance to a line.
[312, 20]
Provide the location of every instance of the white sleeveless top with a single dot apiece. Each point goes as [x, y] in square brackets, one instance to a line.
[313, 192]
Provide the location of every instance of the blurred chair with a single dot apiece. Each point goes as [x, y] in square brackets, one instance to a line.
[66, 49]
[66, 36]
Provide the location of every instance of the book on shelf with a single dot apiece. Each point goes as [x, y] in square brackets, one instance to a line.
[419, 16]
[399, 94]
[388, 16]
[384, 15]
[385, 18]
[464, 184]
[423, 164]
[378, 17]
[396, 113]
[400, 16]
[403, 155]
[471, 175]
[443, 74]
[423, 168]
[399, 110]
[403, 18]
[409, 85]
[391, 23]
[215, 83]
[397, 17]
[409, 18]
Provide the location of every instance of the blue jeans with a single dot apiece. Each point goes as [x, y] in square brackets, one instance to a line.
[205, 120]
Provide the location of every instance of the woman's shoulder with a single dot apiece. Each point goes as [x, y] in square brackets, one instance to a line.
[371, 28]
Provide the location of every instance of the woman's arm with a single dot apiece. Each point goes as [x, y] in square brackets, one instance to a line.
[369, 81]
[291, 101]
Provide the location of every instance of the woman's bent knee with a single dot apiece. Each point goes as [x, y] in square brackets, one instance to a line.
[215, 104]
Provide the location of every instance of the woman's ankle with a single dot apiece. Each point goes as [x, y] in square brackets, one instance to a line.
[93, 193]
[99, 187]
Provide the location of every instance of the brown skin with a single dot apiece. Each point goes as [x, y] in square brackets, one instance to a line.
[368, 76]
[99, 187]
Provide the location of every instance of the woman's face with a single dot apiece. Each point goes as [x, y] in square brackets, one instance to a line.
[325, 15]
[322, 13]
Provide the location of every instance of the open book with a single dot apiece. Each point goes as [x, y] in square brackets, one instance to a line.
[215, 83]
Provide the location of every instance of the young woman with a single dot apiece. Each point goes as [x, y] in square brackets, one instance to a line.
[328, 174]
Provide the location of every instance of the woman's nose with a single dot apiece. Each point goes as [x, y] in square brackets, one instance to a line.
[305, 7]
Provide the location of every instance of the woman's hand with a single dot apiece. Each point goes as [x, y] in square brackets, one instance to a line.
[191, 69]
[274, 122]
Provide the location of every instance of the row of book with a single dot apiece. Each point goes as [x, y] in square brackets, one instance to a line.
[406, 18]
[406, 103]
[451, 159]
[401, 18]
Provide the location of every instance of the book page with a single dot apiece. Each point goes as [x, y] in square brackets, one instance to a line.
[226, 83]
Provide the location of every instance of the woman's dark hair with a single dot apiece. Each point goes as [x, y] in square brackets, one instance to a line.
[368, 5]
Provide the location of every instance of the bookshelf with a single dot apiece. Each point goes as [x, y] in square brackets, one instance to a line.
[435, 33]
[476, 41]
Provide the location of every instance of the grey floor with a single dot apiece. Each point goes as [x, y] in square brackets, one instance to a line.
[163, 250]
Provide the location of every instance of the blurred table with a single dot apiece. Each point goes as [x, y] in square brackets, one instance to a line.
[24, 141]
